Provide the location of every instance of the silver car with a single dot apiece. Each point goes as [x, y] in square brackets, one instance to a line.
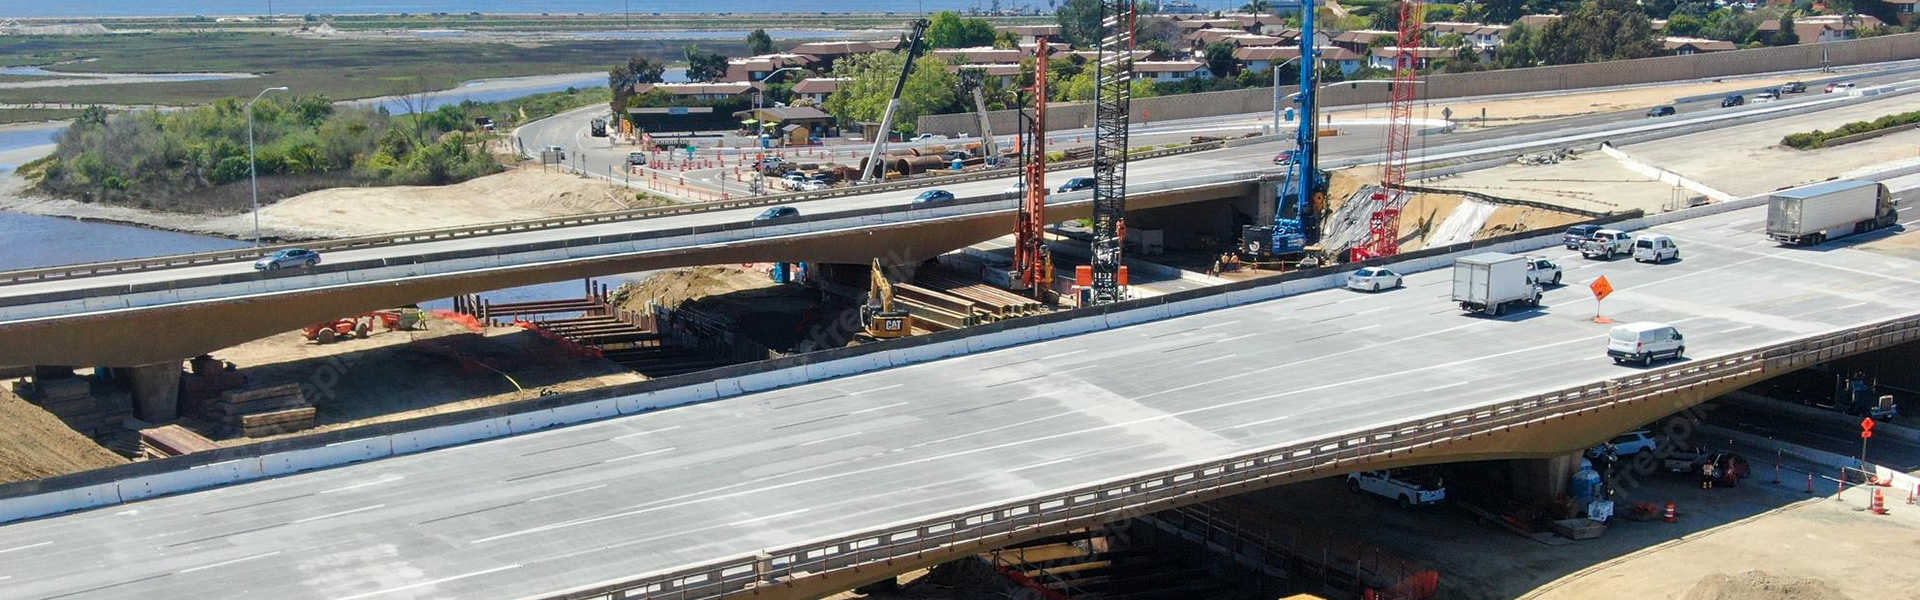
[291, 257]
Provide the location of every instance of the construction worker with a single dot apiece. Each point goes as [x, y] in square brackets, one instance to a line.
[1708, 472]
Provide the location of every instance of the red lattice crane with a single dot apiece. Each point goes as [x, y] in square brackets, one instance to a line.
[1030, 248]
[1384, 226]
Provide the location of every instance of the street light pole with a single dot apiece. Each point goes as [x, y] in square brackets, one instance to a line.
[763, 81]
[1276, 93]
[253, 174]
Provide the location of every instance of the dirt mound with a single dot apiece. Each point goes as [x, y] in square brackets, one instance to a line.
[37, 445]
[1760, 585]
[671, 288]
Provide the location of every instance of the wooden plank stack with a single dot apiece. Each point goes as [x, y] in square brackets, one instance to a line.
[172, 440]
[73, 401]
[262, 411]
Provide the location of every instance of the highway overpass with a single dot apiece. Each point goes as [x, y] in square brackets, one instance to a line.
[826, 471]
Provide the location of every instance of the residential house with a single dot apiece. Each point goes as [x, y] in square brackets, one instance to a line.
[792, 125]
[1683, 46]
[1360, 40]
[1904, 10]
[823, 54]
[1482, 36]
[1261, 58]
[1247, 39]
[1200, 38]
[1088, 56]
[1423, 57]
[1006, 73]
[1171, 70]
[756, 68]
[1826, 28]
[818, 88]
[698, 91]
[1189, 25]
[979, 56]
[1536, 21]
[1261, 24]
[1029, 34]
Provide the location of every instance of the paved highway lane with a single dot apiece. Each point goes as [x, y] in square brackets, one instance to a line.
[594, 502]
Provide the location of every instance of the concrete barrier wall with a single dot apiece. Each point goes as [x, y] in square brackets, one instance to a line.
[1457, 85]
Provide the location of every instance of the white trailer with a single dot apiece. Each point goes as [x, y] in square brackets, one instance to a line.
[1493, 282]
[1828, 211]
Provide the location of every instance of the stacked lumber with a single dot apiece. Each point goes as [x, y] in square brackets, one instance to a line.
[172, 440]
[262, 411]
[73, 401]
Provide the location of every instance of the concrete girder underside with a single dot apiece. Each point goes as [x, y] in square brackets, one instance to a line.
[145, 336]
[1557, 437]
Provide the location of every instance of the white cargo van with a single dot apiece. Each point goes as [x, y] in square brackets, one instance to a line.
[1653, 248]
[1645, 341]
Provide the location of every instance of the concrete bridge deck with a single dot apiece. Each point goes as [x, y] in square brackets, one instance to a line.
[716, 483]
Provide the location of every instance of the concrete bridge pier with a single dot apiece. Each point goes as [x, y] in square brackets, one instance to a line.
[156, 390]
[1544, 477]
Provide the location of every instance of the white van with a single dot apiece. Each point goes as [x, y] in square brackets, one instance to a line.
[1654, 248]
[1645, 341]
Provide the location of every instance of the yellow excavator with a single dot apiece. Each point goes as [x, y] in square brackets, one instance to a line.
[882, 318]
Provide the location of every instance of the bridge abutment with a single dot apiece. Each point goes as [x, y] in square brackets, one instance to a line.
[1543, 477]
[156, 390]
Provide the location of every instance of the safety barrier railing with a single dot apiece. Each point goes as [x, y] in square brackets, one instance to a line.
[985, 526]
[427, 235]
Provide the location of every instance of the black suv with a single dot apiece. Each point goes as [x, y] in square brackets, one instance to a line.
[1734, 100]
[1577, 234]
[1660, 111]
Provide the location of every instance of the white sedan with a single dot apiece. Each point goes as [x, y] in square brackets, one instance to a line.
[1373, 279]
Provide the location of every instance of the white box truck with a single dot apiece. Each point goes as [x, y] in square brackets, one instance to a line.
[1493, 283]
[1828, 211]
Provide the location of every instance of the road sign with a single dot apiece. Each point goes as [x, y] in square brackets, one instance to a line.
[1866, 428]
[1601, 289]
[1446, 113]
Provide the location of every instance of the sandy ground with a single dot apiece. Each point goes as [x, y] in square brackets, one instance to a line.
[1748, 159]
[398, 375]
[1423, 216]
[786, 318]
[38, 445]
[1592, 181]
[525, 193]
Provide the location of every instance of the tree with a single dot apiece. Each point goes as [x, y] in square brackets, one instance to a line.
[1516, 50]
[622, 78]
[1081, 88]
[1006, 40]
[758, 42]
[1385, 17]
[948, 29]
[1505, 11]
[1219, 57]
[1786, 36]
[1466, 58]
[704, 66]
[1080, 22]
[1601, 30]
[929, 90]
[1258, 7]
[1684, 26]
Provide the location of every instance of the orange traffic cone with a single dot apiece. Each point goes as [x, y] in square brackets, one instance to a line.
[1671, 516]
[1912, 493]
[1879, 503]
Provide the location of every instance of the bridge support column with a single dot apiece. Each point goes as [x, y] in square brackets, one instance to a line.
[156, 391]
[1544, 477]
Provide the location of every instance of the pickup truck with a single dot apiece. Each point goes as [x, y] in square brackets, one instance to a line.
[1606, 244]
[1405, 487]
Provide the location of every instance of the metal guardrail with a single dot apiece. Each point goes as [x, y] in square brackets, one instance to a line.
[427, 235]
[987, 525]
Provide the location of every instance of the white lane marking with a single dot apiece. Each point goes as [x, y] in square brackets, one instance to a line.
[361, 485]
[341, 513]
[224, 563]
[428, 583]
[26, 547]
[868, 410]
[1260, 422]
[878, 389]
[647, 453]
[1216, 358]
[567, 493]
[1237, 337]
[768, 517]
[1840, 308]
[1740, 328]
[1298, 363]
[1038, 465]
[6, 578]
[1221, 324]
[825, 440]
[1082, 368]
[1054, 356]
[647, 432]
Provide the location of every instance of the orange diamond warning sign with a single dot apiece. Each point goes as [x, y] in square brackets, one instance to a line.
[1601, 289]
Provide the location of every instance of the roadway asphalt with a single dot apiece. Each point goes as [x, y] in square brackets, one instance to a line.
[1225, 161]
[590, 503]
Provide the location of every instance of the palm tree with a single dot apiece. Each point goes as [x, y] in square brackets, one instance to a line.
[1258, 7]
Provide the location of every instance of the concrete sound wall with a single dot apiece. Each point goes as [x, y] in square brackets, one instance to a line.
[1509, 81]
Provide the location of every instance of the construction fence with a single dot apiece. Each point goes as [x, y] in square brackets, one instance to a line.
[1079, 115]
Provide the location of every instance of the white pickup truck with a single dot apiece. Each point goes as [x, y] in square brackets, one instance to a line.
[1606, 244]
[1408, 488]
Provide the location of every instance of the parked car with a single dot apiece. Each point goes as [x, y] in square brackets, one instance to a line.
[1403, 486]
[1373, 279]
[929, 137]
[778, 212]
[1644, 341]
[636, 159]
[1840, 86]
[1076, 184]
[1731, 101]
[931, 196]
[291, 257]
[768, 164]
[1577, 234]
[1653, 248]
[1605, 244]
[808, 185]
[1626, 444]
[1542, 271]
[1794, 87]
[1660, 111]
[794, 177]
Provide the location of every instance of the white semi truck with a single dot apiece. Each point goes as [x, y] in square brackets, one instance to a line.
[1493, 283]
[1828, 211]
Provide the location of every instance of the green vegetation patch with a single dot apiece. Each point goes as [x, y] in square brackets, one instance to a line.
[1818, 139]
